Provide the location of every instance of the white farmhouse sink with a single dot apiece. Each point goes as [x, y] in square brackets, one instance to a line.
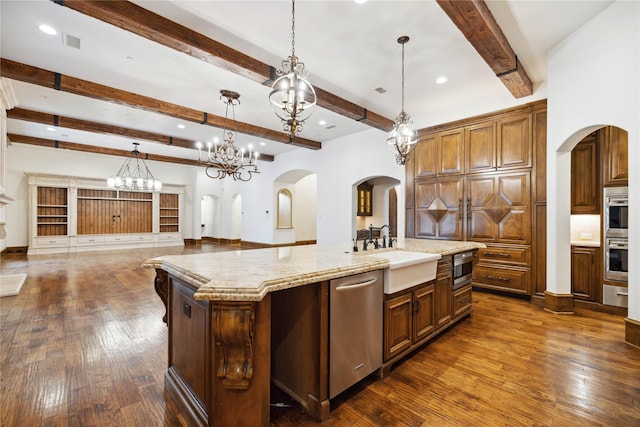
[407, 269]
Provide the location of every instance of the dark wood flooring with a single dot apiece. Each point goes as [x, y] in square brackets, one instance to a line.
[84, 345]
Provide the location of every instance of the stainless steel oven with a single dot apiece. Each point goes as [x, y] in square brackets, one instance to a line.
[616, 259]
[462, 269]
[616, 212]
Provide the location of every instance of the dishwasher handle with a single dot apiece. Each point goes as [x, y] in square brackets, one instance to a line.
[357, 285]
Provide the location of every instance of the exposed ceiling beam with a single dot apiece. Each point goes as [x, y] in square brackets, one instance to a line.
[478, 25]
[140, 21]
[42, 142]
[85, 125]
[26, 73]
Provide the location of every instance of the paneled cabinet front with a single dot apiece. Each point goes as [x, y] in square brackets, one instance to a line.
[408, 318]
[438, 208]
[499, 208]
[440, 154]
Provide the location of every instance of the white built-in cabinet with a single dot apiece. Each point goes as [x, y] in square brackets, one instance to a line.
[73, 214]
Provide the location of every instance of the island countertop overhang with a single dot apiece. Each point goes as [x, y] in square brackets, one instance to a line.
[248, 275]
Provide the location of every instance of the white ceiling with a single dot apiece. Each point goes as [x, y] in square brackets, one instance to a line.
[349, 50]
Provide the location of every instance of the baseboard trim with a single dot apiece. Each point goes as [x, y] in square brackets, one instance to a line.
[632, 332]
[558, 303]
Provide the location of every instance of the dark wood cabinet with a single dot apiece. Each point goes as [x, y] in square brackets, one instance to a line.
[365, 199]
[443, 291]
[585, 277]
[408, 318]
[615, 144]
[438, 208]
[499, 208]
[440, 154]
[585, 197]
[481, 147]
[502, 188]
[514, 142]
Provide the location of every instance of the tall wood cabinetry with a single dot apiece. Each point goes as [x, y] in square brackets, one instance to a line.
[585, 197]
[70, 214]
[483, 179]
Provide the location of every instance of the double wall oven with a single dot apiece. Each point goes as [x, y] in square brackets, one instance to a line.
[616, 237]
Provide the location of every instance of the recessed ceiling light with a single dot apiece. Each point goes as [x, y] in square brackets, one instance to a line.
[360, 1]
[51, 129]
[181, 126]
[440, 80]
[47, 29]
[263, 143]
[322, 122]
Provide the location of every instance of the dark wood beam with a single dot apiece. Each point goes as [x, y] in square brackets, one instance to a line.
[85, 125]
[149, 25]
[42, 142]
[38, 76]
[478, 25]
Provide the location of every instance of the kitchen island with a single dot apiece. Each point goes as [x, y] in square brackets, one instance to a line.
[229, 315]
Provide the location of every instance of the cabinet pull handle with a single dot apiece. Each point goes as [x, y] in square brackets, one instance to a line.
[498, 278]
[498, 254]
[460, 209]
[624, 294]
[468, 208]
[186, 309]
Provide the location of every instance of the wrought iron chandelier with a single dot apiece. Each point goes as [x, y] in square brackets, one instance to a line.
[403, 137]
[134, 175]
[226, 159]
[292, 97]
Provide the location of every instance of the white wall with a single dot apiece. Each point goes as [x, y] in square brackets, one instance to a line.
[593, 81]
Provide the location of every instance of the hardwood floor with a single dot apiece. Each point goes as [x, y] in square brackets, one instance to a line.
[84, 345]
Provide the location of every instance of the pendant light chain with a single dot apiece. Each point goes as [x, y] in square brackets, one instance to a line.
[293, 28]
[403, 77]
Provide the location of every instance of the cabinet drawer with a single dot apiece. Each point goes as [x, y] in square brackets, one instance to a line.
[502, 278]
[168, 236]
[141, 237]
[512, 255]
[461, 301]
[116, 238]
[90, 239]
[51, 241]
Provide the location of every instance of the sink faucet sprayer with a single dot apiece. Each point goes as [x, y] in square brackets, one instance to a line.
[366, 241]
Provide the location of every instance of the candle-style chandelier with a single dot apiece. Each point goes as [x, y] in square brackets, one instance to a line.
[403, 137]
[134, 176]
[292, 97]
[226, 159]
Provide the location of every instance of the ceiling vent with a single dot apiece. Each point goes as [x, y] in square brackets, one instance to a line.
[380, 90]
[330, 127]
[71, 41]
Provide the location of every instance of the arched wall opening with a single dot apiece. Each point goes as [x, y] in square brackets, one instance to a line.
[384, 208]
[302, 186]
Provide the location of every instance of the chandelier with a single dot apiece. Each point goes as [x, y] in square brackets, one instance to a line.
[134, 175]
[292, 97]
[226, 159]
[403, 137]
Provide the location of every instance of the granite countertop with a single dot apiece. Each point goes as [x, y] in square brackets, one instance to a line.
[248, 275]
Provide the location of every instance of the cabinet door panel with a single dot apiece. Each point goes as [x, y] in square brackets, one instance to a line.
[514, 142]
[438, 208]
[481, 148]
[425, 224]
[499, 208]
[451, 153]
[426, 158]
[584, 274]
[398, 324]
[617, 156]
[423, 318]
[584, 177]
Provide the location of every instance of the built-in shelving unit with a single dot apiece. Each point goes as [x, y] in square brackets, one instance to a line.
[169, 213]
[71, 214]
[52, 211]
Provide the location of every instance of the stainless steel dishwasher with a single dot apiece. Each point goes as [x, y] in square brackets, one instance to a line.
[355, 329]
